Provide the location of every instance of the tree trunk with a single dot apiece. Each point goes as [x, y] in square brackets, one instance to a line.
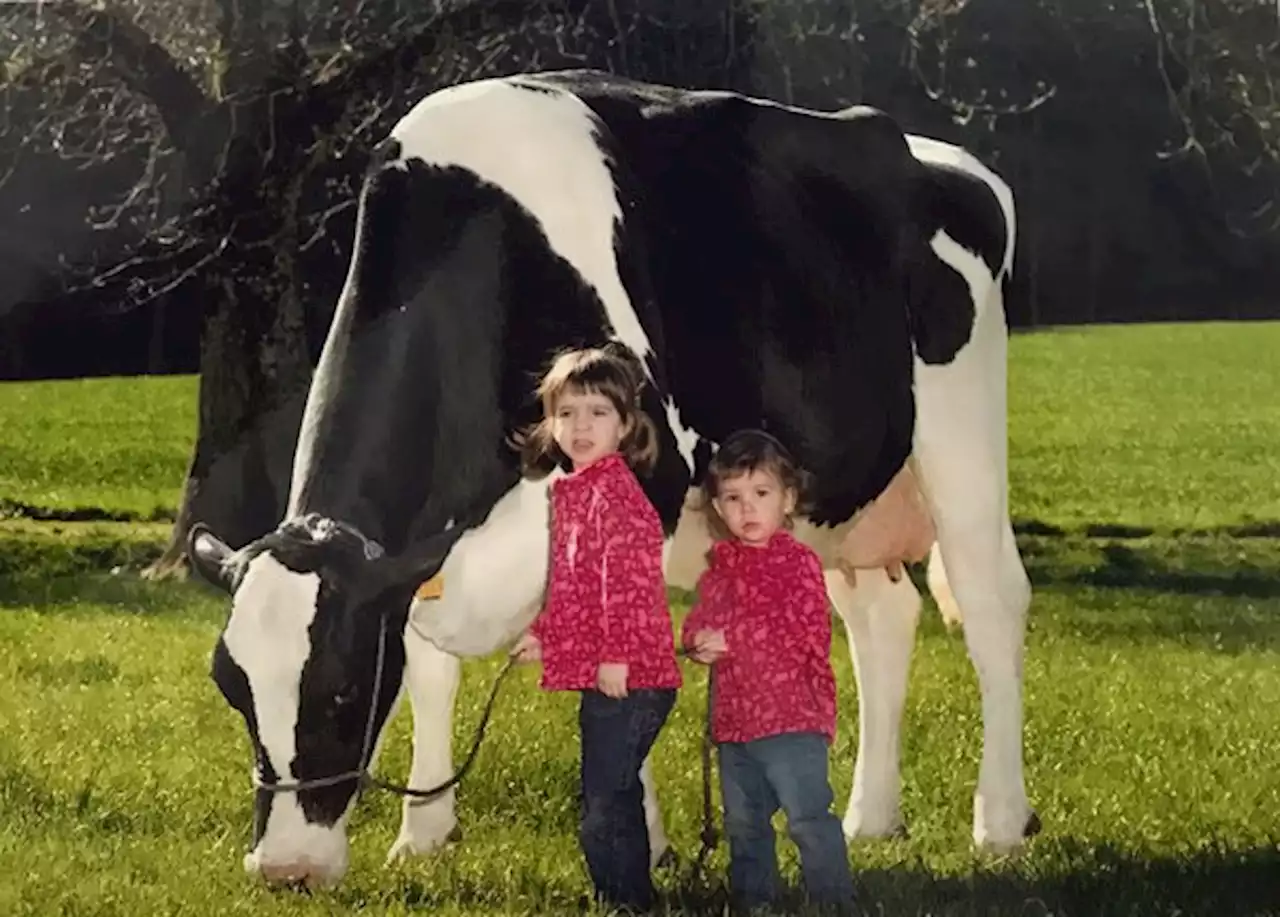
[256, 353]
[254, 359]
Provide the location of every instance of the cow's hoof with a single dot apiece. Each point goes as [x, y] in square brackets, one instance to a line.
[896, 832]
[859, 827]
[423, 844]
[668, 859]
[1013, 846]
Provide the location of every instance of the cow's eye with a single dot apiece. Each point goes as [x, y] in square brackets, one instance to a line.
[344, 697]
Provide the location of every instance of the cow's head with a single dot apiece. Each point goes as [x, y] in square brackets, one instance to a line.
[404, 439]
[312, 657]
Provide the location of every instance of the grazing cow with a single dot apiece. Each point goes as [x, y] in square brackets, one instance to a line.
[818, 274]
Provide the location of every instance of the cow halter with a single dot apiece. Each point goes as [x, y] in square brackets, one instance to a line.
[361, 774]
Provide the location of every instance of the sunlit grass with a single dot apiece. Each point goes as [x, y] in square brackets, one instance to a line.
[1152, 676]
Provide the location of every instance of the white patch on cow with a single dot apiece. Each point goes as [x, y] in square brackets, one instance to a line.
[976, 276]
[686, 438]
[541, 148]
[494, 577]
[267, 636]
[927, 149]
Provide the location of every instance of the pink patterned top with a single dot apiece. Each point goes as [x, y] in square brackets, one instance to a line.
[775, 677]
[606, 598]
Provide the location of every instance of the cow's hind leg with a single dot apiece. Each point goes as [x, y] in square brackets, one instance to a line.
[431, 676]
[660, 852]
[960, 449]
[880, 618]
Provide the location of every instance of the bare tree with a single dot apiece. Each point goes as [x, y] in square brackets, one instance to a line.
[226, 139]
[265, 117]
[1220, 63]
[282, 208]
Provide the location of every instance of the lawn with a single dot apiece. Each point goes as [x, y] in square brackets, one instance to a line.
[1146, 485]
[103, 447]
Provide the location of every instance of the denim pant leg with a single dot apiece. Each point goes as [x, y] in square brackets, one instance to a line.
[749, 804]
[616, 736]
[796, 764]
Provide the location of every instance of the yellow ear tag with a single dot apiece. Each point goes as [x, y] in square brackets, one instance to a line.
[432, 588]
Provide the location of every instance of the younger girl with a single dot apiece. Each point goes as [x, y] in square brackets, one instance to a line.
[761, 618]
[605, 628]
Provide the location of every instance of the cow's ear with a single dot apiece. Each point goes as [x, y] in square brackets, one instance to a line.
[420, 561]
[208, 555]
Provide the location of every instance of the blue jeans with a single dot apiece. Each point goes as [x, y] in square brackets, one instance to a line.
[790, 771]
[616, 736]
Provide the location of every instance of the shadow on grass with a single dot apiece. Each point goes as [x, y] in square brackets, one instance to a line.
[1099, 882]
[1212, 566]
[50, 552]
[1096, 882]
[125, 592]
[1259, 528]
[1130, 568]
[1137, 591]
[52, 571]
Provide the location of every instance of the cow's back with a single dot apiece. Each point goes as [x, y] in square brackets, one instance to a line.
[773, 241]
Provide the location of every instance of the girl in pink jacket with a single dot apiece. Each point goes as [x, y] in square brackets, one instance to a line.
[761, 619]
[605, 628]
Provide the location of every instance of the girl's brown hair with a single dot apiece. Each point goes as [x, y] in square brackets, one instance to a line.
[611, 371]
[742, 453]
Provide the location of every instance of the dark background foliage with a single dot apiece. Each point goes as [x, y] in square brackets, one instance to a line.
[177, 176]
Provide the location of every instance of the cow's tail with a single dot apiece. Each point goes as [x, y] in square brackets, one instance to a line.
[940, 589]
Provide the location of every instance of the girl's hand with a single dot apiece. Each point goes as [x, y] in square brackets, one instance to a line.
[527, 649]
[612, 679]
[708, 646]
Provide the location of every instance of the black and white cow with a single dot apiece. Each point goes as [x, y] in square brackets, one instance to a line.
[820, 274]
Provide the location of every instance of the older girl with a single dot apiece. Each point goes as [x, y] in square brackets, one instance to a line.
[605, 628]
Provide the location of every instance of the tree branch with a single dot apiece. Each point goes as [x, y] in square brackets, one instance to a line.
[101, 33]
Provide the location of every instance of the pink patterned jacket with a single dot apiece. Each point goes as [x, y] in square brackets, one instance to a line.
[606, 599]
[775, 676]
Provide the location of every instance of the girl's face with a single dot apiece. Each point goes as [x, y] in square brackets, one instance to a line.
[587, 427]
[754, 506]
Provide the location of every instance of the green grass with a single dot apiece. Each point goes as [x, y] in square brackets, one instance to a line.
[1153, 426]
[1159, 427]
[1152, 684]
[118, 447]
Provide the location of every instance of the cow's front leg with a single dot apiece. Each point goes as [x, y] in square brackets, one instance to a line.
[880, 617]
[431, 677]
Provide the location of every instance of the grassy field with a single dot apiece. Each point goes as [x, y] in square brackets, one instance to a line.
[1146, 481]
[107, 447]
